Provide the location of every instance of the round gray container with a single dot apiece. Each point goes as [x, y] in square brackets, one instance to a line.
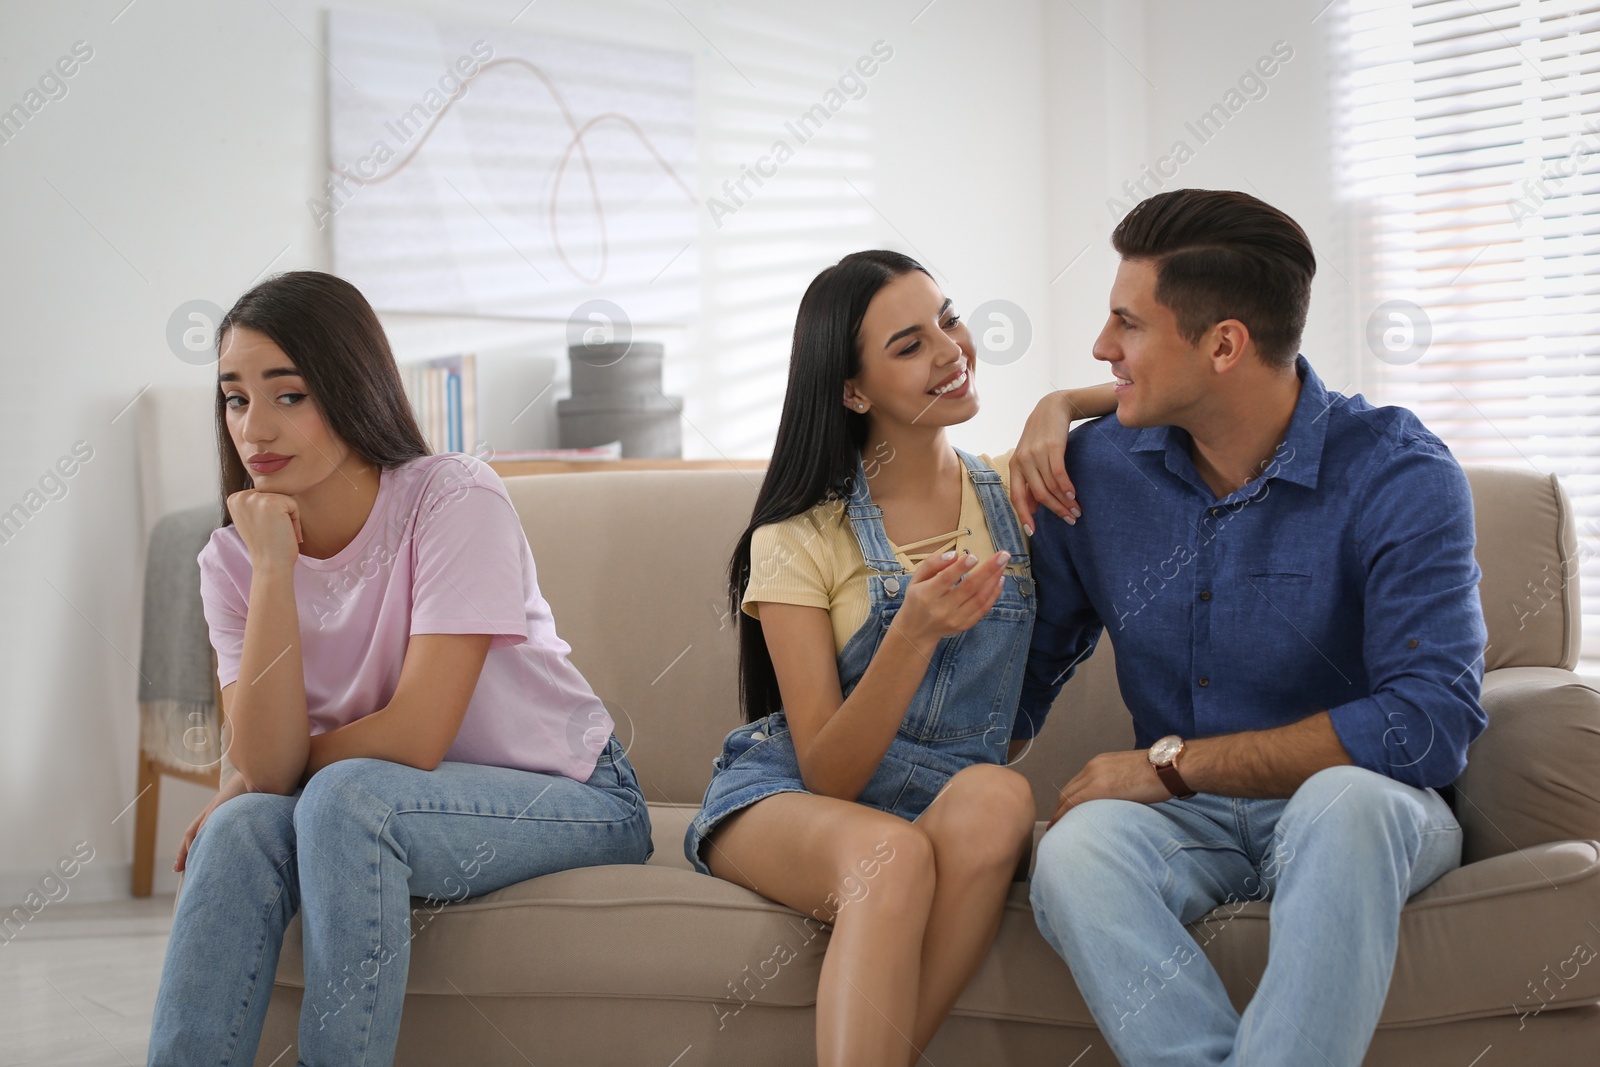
[616, 396]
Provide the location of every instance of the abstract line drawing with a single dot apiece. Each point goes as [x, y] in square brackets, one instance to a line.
[508, 174]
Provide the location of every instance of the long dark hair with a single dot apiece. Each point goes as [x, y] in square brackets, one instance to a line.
[327, 328]
[819, 439]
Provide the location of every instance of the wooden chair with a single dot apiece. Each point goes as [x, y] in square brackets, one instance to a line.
[157, 758]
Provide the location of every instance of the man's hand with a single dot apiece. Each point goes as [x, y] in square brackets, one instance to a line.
[1269, 764]
[1113, 776]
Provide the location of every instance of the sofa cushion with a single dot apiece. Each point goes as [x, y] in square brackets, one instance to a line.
[1531, 775]
[1502, 935]
[668, 824]
[1470, 945]
[1508, 932]
[624, 930]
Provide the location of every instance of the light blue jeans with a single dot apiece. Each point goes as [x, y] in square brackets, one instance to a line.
[350, 850]
[1116, 881]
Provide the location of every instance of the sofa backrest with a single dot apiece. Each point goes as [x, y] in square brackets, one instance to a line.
[634, 566]
[1528, 549]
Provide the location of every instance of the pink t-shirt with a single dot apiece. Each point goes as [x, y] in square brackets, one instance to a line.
[443, 552]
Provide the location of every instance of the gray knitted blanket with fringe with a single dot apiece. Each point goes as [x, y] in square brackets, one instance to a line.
[177, 692]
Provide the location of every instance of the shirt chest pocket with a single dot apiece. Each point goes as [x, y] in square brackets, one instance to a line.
[1282, 608]
[1279, 579]
[1292, 593]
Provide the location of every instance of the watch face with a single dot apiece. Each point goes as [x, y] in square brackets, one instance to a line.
[1165, 750]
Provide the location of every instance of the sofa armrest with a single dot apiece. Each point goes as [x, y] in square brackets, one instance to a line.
[1531, 776]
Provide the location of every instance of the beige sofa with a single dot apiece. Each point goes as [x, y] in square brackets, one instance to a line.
[657, 966]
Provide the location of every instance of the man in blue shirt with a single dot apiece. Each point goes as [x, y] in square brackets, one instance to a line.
[1287, 577]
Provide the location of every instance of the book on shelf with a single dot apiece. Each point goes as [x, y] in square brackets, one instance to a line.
[444, 397]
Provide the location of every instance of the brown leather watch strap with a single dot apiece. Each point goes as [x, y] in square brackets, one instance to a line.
[1174, 781]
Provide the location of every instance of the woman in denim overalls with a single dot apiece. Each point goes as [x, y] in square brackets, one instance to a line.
[961, 712]
[869, 788]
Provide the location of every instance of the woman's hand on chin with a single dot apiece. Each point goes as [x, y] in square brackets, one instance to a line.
[269, 523]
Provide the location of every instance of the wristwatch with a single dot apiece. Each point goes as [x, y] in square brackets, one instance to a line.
[1164, 758]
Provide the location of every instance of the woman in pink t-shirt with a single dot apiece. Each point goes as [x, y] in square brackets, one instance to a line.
[403, 719]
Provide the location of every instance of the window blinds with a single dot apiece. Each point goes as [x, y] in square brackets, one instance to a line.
[1469, 148]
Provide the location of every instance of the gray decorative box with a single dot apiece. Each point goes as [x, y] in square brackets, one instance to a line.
[616, 396]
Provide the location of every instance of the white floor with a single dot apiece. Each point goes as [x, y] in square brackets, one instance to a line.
[78, 983]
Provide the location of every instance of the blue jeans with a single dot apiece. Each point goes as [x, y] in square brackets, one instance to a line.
[1116, 881]
[350, 850]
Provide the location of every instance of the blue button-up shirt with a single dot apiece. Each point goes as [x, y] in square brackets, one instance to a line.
[1341, 578]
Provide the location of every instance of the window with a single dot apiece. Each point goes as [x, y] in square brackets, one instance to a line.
[1470, 150]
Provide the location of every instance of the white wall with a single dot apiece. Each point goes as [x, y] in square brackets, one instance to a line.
[1125, 78]
[178, 167]
[1094, 133]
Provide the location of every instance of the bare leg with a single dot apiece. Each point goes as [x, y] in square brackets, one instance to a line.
[813, 853]
[980, 824]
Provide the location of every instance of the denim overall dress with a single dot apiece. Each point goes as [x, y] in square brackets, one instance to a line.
[961, 713]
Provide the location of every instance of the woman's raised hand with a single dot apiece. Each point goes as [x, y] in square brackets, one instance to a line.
[269, 524]
[1039, 464]
[950, 593]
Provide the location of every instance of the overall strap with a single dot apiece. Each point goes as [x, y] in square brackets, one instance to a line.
[866, 519]
[997, 510]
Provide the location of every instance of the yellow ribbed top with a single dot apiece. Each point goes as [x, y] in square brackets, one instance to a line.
[814, 560]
